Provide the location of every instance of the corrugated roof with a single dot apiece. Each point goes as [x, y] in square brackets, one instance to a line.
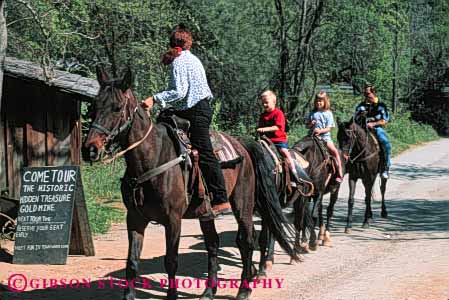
[68, 82]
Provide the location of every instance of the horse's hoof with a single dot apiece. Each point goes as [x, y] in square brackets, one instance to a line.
[269, 265]
[243, 294]
[299, 260]
[327, 240]
[327, 243]
[313, 246]
[172, 295]
[207, 295]
[129, 295]
[384, 214]
[348, 230]
[304, 248]
[365, 225]
[261, 275]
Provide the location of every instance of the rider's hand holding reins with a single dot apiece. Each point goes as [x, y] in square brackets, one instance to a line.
[148, 103]
[317, 131]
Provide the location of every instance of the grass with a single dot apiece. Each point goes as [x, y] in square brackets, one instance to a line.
[405, 133]
[102, 182]
[102, 193]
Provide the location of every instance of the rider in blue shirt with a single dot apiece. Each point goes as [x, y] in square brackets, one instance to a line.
[377, 116]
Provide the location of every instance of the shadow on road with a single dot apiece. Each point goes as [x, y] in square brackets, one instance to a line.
[406, 171]
[404, 216]
[151, 289]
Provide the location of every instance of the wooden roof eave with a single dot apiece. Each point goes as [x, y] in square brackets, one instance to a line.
[64, 81]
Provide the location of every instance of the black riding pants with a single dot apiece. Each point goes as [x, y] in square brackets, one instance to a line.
[200, 117]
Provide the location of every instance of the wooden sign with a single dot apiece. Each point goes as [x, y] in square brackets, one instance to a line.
[44, 223]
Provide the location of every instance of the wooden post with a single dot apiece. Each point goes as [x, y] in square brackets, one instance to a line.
[3, 44]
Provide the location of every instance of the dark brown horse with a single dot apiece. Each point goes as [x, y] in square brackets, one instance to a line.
[152, 192]
[362, 152]
[306, 213]
[323, 173]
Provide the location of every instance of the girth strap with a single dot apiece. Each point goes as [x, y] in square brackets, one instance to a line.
[159, 170]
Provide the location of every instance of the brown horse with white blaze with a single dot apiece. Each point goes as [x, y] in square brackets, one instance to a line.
[161, 196]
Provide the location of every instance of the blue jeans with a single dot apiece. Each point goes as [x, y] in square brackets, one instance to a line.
[383, 139]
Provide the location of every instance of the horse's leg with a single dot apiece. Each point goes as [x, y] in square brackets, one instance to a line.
[383, 187]
[172, 236]
[299, 208]
[136, 229]
[308, 226]
[266, 246]
[212, 245]
[313, 243]
[321, 220]
[352, 183]
[245, 243]
[330, 212]
[368, 211]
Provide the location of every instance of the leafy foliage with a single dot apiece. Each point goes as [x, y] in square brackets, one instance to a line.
[291, 46]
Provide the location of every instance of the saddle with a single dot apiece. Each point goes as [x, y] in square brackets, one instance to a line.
[198, 197]
[281, 169]
[328, 161]
[381, 150]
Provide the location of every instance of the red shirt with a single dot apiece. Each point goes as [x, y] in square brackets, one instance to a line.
[275, 117]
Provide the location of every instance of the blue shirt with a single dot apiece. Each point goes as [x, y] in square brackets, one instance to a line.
[324, 119]
[188, 83]
[375, 111]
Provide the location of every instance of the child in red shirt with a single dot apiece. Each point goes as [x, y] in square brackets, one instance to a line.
[272, 124]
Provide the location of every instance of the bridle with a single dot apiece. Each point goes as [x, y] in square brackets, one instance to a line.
[123, 125]
[119, 127]
[353, 138]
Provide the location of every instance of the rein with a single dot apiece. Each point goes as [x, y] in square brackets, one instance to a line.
[351, 148]
[134, 145]
[118, 129]
[136, 181]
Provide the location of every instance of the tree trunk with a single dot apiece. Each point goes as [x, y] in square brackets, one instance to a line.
[284, 56]
[395, 66]
[3, 43]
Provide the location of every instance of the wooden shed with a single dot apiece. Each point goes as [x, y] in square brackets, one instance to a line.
[40, 119]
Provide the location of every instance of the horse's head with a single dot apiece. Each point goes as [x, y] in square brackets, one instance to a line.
[112, 113]
[348, 134]
[346, 137]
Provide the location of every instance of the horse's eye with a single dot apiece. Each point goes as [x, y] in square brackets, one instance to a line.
[116, 109]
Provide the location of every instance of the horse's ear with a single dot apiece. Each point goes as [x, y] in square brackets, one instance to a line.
[102, 76]
[127, 80]
[338, 120]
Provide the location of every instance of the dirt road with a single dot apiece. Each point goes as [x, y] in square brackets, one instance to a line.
[403, 257]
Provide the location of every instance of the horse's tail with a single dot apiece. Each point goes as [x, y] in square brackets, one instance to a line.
[267, 199]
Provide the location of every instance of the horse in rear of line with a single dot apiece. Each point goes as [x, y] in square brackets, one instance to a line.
[156, 184]
[364, 161]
